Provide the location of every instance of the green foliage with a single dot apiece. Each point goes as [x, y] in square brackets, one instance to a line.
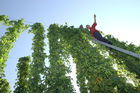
[94, 63]
[37, 66]
[7, 41]
[4, 86]
[132, 64]
[56, 79]
[95, 72]
[4, 18]
[21, 86]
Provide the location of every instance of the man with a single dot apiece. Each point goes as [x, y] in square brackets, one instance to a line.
[95, 33]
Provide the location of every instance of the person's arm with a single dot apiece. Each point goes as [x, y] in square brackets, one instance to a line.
[95, 18]
[94, 24]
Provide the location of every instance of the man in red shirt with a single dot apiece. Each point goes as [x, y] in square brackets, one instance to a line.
[95, 33]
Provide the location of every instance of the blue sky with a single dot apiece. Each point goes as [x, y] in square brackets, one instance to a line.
[117, 17]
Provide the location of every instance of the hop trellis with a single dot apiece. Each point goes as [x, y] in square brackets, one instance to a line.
[94, 69]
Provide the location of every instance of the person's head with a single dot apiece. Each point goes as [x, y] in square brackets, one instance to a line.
[88, 26]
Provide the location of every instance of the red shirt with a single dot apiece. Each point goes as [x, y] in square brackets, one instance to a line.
[93, 29]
